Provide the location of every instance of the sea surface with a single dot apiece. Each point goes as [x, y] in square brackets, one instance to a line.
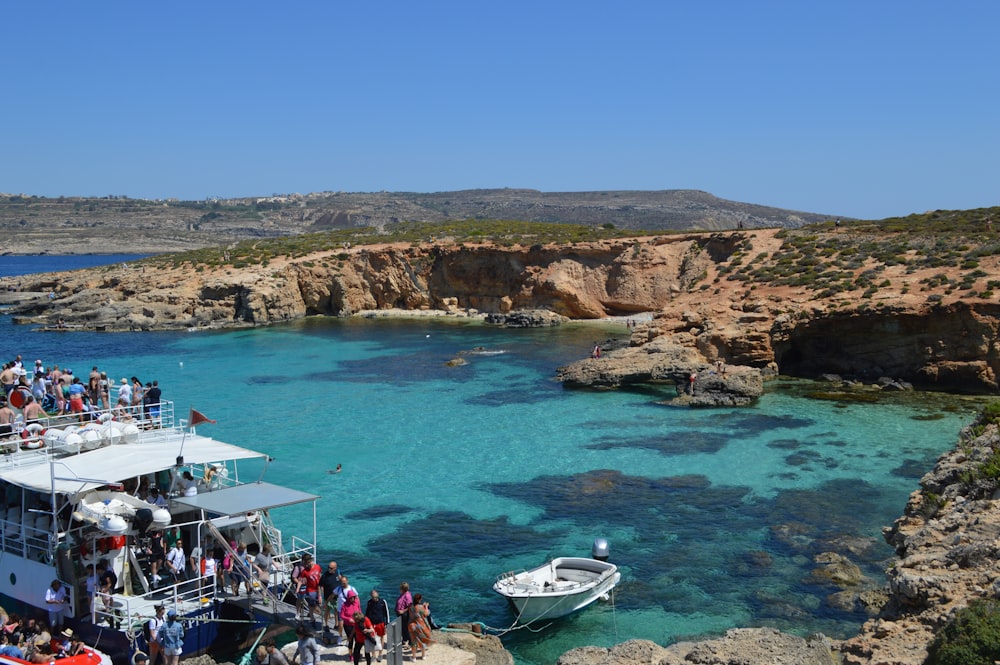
[455, 474]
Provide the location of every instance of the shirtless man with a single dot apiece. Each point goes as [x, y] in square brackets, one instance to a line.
[7, 378]
[56, 388]
[6, 418]
[33, 411]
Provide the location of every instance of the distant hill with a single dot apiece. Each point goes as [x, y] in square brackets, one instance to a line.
[75, 225]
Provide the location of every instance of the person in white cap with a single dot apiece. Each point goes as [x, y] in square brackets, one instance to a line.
[125, 393]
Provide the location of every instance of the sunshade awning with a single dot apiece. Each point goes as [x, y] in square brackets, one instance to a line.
[243, 499]
[112, 464]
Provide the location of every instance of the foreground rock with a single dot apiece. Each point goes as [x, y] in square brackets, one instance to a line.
[740, 646]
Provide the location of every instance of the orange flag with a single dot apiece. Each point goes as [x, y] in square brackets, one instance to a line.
[197, 418]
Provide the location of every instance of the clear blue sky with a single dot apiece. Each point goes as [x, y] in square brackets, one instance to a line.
[863, 109]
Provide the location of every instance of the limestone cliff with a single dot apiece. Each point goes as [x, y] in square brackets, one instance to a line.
[948, 547]
[751, 299]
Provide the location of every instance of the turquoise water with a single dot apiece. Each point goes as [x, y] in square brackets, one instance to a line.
[452, 475]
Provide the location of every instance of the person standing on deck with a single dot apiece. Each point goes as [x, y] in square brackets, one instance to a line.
[176, 562]
[56, 601]
[124, 394]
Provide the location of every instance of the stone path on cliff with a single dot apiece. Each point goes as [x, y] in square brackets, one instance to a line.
[437, 654]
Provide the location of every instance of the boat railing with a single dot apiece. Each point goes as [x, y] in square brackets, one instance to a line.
[296, 549]
[29, 444]
[184, 596]
[523, 581]
[29, 538]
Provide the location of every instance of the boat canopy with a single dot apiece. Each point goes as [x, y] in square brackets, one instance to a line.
[78, 473]
[242, 499]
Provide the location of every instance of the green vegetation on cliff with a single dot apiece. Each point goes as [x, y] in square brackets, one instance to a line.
[501, 232]
[831, 259]
[971, 638]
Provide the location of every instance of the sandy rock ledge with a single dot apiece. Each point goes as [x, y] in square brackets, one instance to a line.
[739, 646]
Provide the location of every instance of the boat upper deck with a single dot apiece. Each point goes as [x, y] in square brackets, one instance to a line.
[65, 456]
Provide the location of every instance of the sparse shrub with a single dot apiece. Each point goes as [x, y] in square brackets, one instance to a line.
[971, 638]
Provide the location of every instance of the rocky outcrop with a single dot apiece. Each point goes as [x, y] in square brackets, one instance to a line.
[739, 646]
[534, 318]
[948, 543]
[664, 360]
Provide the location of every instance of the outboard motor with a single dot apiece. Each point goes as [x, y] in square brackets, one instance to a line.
[600, 549]
[143, 518]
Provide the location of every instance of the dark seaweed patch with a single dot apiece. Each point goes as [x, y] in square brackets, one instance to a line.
[527, 395]
[785, 444]
[265, 379]
[378, 512]
[803, 457]
[684, 444]
[912, 468]
[450, 535]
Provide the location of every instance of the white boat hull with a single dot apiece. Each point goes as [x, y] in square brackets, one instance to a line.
[560, 587]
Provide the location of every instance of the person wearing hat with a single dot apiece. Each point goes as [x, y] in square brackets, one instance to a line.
[172, 638]
[351, 607]
[153, 637]
[124, 393]
[71, 644]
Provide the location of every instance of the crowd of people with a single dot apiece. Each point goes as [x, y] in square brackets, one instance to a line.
[36, 640]
[330, 595]
[55, 391]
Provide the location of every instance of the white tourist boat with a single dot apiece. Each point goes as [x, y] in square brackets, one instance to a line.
[67, 504]
[560, 587]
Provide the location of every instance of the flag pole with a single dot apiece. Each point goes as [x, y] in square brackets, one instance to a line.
[180, 457]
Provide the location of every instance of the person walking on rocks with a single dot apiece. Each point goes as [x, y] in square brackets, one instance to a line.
[307, 651]
[172, 638]
[403, 603]
[377, 611]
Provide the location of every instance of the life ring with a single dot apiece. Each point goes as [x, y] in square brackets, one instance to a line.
[18, 398]
[34, 430]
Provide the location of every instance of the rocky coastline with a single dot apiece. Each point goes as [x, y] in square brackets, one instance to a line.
[914, 328]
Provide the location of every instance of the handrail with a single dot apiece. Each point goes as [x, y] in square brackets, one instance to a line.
[18, 449]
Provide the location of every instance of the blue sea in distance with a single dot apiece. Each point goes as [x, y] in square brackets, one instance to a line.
[455, 474]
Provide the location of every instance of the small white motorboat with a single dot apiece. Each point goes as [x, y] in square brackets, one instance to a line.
[560, 587]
